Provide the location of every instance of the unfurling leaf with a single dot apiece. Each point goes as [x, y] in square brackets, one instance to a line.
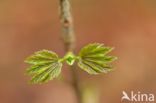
[93, 58]
[45, 66]
[70, 58]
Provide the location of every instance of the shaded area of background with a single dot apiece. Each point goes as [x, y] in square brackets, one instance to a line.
[30, 25]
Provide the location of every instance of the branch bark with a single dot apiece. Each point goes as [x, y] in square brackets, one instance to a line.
[68, 37]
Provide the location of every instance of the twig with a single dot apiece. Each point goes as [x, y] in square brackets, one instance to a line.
[67, 25]
[68, 37]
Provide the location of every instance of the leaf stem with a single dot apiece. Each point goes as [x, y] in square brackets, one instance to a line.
[68, 37]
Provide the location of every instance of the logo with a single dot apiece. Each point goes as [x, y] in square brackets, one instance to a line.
[137, 97]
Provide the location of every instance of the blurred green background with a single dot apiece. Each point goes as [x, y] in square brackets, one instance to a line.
[30, 25]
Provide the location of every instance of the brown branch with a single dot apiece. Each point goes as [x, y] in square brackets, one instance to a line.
[68, 37]
[67, 25]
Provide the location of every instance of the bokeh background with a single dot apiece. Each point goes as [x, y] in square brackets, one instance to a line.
[30, 25]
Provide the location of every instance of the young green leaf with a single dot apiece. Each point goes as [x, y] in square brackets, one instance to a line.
[94, 60]
[45, 66]
[70, 58]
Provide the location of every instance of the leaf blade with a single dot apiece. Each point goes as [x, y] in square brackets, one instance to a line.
[93, 58]
[44, 66]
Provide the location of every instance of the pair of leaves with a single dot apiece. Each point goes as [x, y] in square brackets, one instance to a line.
[46, 65]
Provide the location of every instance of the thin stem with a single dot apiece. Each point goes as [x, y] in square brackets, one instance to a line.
[68, 37]
[75, 83]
